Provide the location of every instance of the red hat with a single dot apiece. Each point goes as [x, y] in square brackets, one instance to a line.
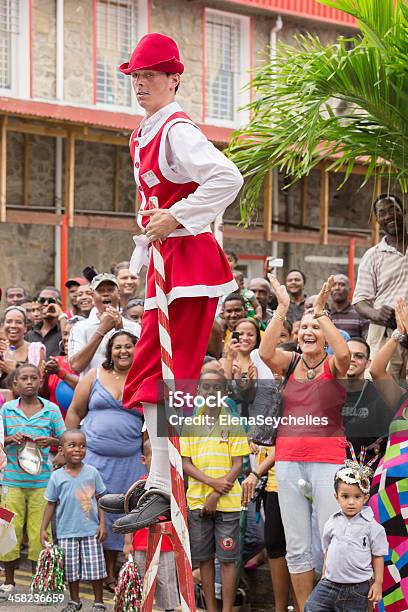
[154, 52]
[76, 280]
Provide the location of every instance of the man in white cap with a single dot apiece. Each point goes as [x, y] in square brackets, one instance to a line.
[194, 183]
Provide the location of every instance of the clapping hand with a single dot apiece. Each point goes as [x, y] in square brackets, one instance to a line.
[51, 366]
[323, 296]
[280, 291]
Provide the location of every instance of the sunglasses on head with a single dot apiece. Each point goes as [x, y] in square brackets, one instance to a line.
[48, 300]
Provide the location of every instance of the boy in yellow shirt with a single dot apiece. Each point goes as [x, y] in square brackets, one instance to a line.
[212, 458]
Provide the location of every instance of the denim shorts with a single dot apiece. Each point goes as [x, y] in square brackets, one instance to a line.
[330, 596]
[214, 535]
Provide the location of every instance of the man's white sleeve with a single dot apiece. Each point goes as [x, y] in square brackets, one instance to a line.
[76, 340]
[191, 155]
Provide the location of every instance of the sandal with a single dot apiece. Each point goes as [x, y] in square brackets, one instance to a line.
[109, 586]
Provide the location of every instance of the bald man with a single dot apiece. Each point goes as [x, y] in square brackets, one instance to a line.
[263, 292]
[343, 313]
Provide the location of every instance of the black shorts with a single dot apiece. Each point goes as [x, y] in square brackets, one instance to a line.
[275, 542]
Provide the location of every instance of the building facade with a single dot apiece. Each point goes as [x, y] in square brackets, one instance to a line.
[67, 195]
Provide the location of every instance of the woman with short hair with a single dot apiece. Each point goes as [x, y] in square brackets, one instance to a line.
[14, 349]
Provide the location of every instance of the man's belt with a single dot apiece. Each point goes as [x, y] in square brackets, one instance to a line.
[140, 255]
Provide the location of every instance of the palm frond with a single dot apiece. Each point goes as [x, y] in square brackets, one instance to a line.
[294, 123]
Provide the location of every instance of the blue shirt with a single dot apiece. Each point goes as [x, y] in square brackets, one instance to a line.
[350, 544]
[46, 422]
[77, 508]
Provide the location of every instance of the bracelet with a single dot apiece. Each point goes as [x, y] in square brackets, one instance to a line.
[277, 315]
[99, 333]
[324, 313]
[398, 336]
[255, 474]
[62, 373]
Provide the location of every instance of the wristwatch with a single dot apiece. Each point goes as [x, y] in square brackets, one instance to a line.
[323, 313]
[398, 336]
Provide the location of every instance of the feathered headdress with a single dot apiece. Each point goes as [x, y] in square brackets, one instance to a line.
[355, 472]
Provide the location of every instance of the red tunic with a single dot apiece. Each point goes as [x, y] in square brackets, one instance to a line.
[194, 265]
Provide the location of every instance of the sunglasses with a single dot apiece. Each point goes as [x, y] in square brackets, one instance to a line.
[44, 300]
[132, 303]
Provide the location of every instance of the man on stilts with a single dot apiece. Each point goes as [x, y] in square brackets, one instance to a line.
[194, 183]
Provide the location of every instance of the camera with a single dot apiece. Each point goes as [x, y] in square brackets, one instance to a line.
[273, 262]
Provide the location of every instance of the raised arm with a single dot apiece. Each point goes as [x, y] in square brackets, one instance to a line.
[385, 383]
[80, 352]
[275, 358]
[341, 360]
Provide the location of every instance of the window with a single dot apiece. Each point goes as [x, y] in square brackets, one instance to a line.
[227, 63]
[118, 27]
[14, 79]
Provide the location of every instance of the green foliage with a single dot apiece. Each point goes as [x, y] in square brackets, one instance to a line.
[341, 103]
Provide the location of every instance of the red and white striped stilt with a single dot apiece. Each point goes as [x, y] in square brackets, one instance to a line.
[177, 529]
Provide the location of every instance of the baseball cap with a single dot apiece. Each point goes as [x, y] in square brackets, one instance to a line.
[104, 277]
[76, 280]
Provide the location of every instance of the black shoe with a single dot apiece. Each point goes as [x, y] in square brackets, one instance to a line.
[122, 503]
[153, 507]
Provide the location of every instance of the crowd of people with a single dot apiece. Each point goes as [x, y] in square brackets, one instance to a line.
[330, 369]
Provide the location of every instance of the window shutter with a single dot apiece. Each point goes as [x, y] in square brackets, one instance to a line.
[9, 27]
[223, 34]
[116, 27]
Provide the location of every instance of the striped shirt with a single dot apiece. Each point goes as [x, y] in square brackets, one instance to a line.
[350, 321]
[46, 422]
[212, 454]
[382, 276]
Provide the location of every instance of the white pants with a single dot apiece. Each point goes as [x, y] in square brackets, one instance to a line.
[296, 510]
[159, 475]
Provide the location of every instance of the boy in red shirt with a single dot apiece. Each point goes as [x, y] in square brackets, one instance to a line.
[166, 597]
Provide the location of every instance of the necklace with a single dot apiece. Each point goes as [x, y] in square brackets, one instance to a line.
[117, 376]
[311, 371]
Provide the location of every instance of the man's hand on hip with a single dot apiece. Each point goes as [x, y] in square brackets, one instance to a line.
[161, 224]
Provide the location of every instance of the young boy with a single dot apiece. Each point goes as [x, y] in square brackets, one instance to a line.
[212, 459]
[166, 597]
[72, 493]
[354, 545]
[29, 419]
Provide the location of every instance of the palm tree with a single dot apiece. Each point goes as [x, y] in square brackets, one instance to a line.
[341, 102]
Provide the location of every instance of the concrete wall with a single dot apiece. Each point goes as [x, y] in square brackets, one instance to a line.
[94, 175]
[41, 170]
[27, 253]
[78, 51]
[43, 41]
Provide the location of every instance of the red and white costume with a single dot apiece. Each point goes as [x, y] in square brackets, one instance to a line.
[176, 163]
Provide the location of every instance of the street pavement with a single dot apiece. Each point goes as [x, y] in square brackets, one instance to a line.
[23, 580]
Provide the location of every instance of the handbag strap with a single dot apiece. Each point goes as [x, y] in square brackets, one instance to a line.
[293, 363]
